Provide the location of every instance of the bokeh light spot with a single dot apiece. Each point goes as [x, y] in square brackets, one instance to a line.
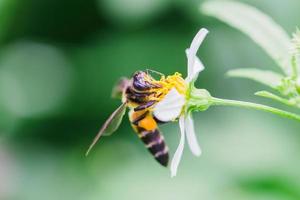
[35, 79]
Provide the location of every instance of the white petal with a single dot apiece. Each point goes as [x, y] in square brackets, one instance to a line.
[191, 136]
[170, 107]
[177, 156]
[194, 67]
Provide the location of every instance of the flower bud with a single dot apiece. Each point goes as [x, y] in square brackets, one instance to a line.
[200, 100]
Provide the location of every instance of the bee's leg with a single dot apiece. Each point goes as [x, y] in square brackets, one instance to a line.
[145, 105]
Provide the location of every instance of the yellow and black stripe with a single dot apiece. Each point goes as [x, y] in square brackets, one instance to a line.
[141, 118]
[146, 127]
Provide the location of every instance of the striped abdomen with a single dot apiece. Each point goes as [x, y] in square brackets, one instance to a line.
[146, 127]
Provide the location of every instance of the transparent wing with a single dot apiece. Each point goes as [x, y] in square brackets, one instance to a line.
[114, 121]
[119, 88]
[110, 126]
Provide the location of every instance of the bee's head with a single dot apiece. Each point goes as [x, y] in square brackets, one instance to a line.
[139, 75]
[148, 73]
[142, 80]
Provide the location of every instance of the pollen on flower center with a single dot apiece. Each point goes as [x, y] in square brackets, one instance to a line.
[167, 83]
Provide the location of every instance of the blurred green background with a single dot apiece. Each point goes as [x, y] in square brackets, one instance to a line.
[58, 63]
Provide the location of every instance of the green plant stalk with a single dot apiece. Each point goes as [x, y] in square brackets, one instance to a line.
[242, 104]
[294, 67]
[274, 97]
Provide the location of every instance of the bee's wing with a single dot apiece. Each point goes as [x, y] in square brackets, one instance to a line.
[110, 126]
[114, 121]
[120, 87]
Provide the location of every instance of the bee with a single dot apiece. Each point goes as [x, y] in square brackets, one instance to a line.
[140, 94]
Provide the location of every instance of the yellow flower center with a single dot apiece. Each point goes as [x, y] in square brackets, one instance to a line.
[167, 83]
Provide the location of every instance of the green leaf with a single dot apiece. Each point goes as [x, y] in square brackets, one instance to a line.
[275, 97]
[257, 25]
[265, 77]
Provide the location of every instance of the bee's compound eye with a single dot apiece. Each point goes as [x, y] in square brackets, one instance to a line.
[139, 81]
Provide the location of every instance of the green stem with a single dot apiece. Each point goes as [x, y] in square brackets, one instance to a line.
[294, 67]
[272, 96]
[226, 102]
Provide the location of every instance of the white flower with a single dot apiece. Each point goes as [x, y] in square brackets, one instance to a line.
[173, 105]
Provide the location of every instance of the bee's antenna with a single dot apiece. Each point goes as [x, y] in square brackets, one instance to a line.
[153, 71]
